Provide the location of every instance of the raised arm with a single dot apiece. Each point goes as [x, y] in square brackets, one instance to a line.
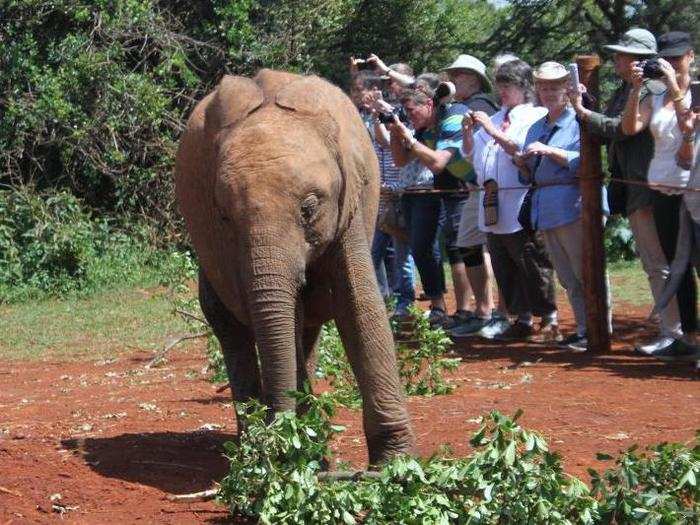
[404, 80]
[636, 114]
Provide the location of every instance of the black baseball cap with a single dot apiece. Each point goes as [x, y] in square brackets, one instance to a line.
[674, 44]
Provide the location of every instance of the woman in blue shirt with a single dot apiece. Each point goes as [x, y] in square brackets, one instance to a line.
[550, 158]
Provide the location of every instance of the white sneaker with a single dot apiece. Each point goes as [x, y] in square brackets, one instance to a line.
[654, 346]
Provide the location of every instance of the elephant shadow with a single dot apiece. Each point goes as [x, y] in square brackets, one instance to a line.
[174, 462]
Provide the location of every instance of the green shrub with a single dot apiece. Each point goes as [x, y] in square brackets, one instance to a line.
[618, 240]
[51, 245]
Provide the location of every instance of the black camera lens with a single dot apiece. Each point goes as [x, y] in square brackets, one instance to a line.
[386, 118]
[651, 69]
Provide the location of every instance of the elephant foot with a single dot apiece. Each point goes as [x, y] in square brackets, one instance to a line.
[383, 448]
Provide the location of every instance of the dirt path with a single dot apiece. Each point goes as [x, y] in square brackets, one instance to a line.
[114, 439]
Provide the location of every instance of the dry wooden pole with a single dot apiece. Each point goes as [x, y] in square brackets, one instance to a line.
[594, 285]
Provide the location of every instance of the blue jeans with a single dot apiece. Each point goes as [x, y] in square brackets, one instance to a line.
[424, 218]
[399, 281]
[381, 246]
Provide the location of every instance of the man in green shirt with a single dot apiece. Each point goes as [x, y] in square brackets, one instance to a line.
[628, 158]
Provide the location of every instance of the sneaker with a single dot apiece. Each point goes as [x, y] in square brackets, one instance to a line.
[678, 351]
[575, 343]
[495, 327]
[516, 332]
[469, 328]
[548, 333]
[655, 346]
[458, 318]
[437, 316]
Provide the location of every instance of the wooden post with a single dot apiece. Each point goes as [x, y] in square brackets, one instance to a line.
[594, 285]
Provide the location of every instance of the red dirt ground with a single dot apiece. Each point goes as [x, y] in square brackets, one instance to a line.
[114, 439]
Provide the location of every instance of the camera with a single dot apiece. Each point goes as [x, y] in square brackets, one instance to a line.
[362, 65]
[651, 68]
[388, 118]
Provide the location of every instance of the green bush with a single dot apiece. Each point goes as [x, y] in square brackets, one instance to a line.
[618, 240]
[51, 245]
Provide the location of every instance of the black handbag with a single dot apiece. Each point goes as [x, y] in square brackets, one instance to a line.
[525, 213]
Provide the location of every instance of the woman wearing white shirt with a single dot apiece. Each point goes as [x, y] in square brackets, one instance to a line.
[659, 114]
[523, 271]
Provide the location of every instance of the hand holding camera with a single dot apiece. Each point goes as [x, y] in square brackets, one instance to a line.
[377, 63]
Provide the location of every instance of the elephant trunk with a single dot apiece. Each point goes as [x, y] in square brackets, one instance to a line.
[275, 279]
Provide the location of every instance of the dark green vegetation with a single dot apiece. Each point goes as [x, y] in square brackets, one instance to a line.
[93, 96]
[275, 477]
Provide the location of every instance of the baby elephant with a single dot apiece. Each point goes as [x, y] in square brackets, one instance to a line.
[278, 183]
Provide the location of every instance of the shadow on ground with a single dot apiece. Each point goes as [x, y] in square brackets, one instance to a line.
[173, 462]
[621, 361]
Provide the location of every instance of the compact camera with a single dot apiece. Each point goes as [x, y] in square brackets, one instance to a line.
[651, 68]
[388, 118]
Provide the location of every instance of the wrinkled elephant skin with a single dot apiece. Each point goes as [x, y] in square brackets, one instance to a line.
[278, 183]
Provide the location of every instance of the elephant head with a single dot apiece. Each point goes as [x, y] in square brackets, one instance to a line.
[280, 165]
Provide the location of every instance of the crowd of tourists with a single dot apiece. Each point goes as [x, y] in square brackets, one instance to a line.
[481, 165]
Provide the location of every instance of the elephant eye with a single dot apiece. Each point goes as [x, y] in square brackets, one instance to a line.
[309, 207]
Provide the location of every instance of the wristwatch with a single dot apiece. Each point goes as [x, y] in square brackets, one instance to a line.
[409, 144]
[689, 137]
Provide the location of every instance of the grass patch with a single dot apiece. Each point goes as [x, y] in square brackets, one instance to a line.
[114, 321]
[629, 284]
[103, 325]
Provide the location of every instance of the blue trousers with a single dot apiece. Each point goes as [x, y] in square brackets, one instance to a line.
[401, 285]
[425, 216]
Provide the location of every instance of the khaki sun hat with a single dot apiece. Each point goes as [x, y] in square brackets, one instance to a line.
[636, 41]
[472, 64]
[550, 71]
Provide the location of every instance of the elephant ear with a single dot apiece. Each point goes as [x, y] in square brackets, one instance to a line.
[339, 124]
[235, 98]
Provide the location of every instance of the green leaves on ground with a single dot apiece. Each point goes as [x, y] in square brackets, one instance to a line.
[511, 477]
[661, 487]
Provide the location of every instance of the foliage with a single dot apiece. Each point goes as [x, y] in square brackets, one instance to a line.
[659, 488]
[510, 479]
[618, 240]
[333, 365]
[51, 245]
[421, 368]
[539, 30]
[272, 470]
[421, 365]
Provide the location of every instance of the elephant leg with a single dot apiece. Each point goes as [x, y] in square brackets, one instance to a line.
[237, 345]
[364, 328]
[306, 364]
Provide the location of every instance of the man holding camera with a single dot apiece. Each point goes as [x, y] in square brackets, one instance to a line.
[436, 145]
[629, 157]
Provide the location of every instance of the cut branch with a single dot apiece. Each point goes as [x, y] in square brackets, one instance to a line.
[327, 477]
[173, 342]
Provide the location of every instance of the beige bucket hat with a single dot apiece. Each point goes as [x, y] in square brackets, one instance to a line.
[550, 71]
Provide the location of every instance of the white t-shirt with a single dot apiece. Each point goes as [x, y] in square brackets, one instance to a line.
[667, 139]
[490, 161]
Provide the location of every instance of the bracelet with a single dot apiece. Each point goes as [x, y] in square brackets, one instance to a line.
[689, 137]
[409, 144]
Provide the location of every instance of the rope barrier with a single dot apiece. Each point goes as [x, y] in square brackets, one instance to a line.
[466, 190]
